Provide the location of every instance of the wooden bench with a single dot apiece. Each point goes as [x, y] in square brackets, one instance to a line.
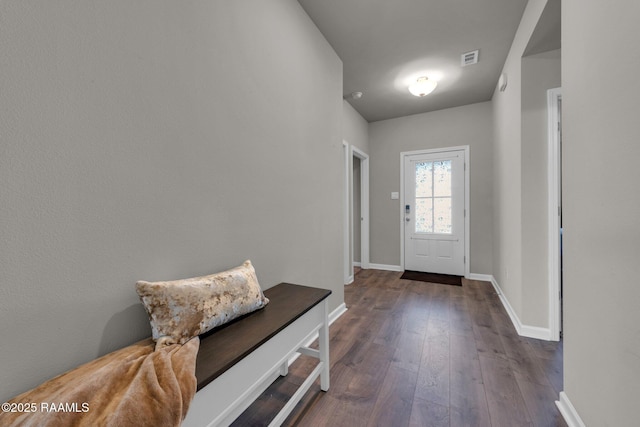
[238, 361]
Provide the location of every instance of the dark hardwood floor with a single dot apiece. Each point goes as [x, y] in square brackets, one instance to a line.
[419, 354]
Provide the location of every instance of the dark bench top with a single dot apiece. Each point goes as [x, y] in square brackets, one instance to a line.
[226, 345]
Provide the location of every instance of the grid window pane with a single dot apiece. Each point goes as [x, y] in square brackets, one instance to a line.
[424, 215]
[433, 197]
[442, 215]
[442, 178]
[424, 179]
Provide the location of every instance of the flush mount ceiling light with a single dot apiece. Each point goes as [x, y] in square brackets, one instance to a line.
[423, 86]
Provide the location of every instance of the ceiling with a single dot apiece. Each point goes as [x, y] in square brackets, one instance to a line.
[385, 45]
[547, 34]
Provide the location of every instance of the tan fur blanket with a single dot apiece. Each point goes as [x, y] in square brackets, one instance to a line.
[134, 386]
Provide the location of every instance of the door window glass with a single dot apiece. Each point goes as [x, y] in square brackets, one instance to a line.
[433, 197]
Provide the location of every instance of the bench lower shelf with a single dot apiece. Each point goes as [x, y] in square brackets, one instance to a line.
[225, 397]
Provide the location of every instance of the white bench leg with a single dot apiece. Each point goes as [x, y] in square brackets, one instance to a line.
[323, 344]
[284, 369]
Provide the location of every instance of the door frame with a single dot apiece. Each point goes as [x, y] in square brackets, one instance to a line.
[364, 206]
[467, 216]
[349, 152]
[347, 268]
[554, 203]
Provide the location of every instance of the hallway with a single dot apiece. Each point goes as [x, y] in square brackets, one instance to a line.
[418, 354]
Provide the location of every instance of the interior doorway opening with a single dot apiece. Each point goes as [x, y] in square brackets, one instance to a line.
[356, 188]
[356, 213]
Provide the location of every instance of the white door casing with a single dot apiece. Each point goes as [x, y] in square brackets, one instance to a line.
[347, 267]
[349, 152]
[433, 211]
[364, 206]
[554, 170]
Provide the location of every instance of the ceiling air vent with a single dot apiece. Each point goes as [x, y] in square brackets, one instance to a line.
[469, 58]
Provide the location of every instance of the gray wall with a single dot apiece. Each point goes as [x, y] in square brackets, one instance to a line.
[355, 131]
[469, 125]
[156, 140]
[540, 72]
[508, 190]
[601, 131]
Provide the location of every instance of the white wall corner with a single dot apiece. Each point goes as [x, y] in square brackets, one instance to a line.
[386, 267]
[568, 411]
[349, 280]
[523, 330]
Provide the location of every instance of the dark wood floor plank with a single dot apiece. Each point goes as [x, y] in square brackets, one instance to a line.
[475, 290]
[408, 351]
[505, 401]
[460, 317]
[415, 302]
[546, 349]
[395, 400]
[540, 404]
[329, 410]
[485, 329]
[553, 370]
[455, 347]
[523, 361]
[367, 369]
[467, 393]
[488, 342]
[433, 377]
[550, 358]
[386, 299]
[392, 326]
[440, 301]
[428, 414]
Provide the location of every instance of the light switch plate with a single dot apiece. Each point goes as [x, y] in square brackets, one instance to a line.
[395, 195]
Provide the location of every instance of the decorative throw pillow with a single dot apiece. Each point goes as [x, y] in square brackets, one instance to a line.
[181, 309]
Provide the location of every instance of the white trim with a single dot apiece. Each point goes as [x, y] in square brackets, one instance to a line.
[347, 271]
[523, 330]
[386, 267]
[335, 314]
[357, 264]
[349, 280]
[568, 411]
[481, 277]
[554, 204]
[364, 204]
[467, 218]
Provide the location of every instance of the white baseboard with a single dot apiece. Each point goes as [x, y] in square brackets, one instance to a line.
[523, 330]
[481, 277]
[335, 314]
[386, 267]
[357, 264]
[568, 411]
[350, 280]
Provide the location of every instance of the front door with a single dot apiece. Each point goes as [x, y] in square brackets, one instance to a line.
[434, 212]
